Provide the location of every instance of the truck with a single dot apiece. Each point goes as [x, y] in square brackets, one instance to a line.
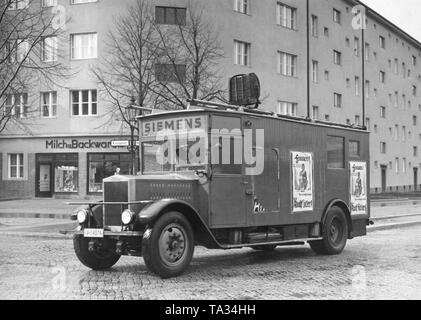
[223, 176]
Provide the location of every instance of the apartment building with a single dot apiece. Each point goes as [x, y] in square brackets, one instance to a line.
[309, 56]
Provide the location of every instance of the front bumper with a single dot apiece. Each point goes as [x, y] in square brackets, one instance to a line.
[108, 233]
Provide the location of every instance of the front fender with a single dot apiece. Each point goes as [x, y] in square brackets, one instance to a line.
[150, 213]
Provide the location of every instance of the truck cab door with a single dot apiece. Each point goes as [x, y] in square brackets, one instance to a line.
[228, 185]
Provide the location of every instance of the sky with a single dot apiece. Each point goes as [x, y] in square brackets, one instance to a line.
[406, 14]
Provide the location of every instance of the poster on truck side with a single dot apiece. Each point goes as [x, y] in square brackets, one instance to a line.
[358, 188]
[302, 181]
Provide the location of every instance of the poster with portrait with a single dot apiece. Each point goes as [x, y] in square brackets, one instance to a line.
[302, 181]
[358, 187]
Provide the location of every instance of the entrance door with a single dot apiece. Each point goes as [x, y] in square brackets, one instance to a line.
[44, 186]
[384, 177]
[415, 179]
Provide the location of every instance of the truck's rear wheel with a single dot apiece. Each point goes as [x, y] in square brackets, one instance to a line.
[168, 247]
[97, 260]
[335, 234]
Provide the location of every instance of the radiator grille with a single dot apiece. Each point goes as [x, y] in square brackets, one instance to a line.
[114, 192]
[180, 191]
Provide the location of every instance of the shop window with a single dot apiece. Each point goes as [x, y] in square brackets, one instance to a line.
[102, 166]
[354, 149]
[66, 173]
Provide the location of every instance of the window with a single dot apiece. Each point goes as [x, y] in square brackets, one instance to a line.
[15, 166]
[18, 4]
[327, 75]
[316, 115]
[49, 104]
[102, 166]
[50, 3]
[315, 71]
[358, 121]
[287, 64]
[336, 16]
[242, 6]
[396, 99]
[414, 120]
[335, 152]
[286, 16]
[382, 42]
[356, 46]
[414, 61]
[367, 89]
[354, 149]
[368, 123]
[357, 86]
[396, 69]
[17, 105]
[367, 51]
[396, 136]
[382, 76]
[327, 117]
[169, 73]
[337, 57]
[397, 165]
[170, 15]
[84, 46]
[383, 112]
[242, 53]
[415, 152]
[326, 32]
[49, 49]
[414, 91]
[403, 70]
[383, 147]
[66, 173]
[287, 108]
[404, 165]
[17, 50]
[348, 83]
[403, 133]
[337, 100]
[314, 26]
[84, 102]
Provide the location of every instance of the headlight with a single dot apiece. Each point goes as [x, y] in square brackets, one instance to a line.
[127, 217]
[82, 216]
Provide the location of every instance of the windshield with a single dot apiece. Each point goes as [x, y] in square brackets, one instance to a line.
[174, 155]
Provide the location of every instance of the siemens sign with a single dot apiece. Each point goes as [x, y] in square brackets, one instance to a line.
[77, 144]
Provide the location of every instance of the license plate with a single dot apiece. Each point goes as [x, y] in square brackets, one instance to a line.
[93, 233]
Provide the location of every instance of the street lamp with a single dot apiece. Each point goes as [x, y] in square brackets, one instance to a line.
[132, 113]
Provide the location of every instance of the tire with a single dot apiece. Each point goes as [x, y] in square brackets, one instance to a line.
[334, 233]
[265, 248]
[168, 247]
[94, 260]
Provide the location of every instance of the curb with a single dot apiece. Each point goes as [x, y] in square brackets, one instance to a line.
[391, 226]
[37, 235]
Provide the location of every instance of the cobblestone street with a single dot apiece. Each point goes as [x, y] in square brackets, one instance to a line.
[384, 265]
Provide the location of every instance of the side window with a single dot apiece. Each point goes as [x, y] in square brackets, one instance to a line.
[354, 149]
[335, 152]
[226, 145]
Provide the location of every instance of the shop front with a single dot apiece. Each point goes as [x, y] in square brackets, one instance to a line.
[65, 168]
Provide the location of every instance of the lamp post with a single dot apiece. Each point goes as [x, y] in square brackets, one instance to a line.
[132, 113]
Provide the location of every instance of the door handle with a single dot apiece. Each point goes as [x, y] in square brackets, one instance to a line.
[250, 192]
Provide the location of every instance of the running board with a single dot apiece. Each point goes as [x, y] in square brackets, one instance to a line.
[272, 243]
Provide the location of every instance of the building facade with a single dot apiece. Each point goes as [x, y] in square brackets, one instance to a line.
[310, 56]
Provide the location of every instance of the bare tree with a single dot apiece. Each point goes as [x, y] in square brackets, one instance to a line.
[189, 55]
[28, 56]
[126, 70]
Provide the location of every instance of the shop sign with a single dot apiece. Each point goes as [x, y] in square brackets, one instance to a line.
[57, 144]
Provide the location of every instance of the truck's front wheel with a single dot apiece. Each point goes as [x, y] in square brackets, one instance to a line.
[97, 260]
[168, 246]
[335, 234]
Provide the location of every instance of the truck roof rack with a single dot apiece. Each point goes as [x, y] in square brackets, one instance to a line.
[223, 106]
